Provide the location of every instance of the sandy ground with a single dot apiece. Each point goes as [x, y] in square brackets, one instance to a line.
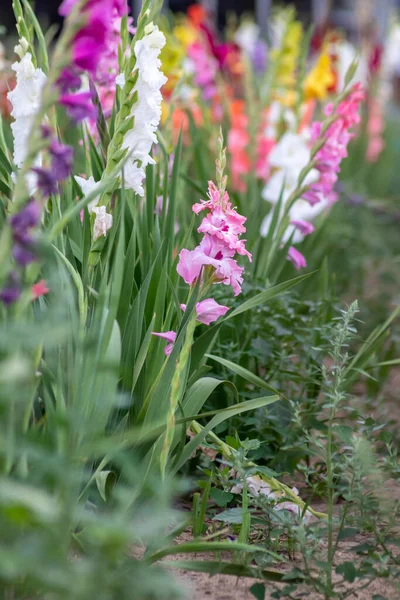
[201, 586]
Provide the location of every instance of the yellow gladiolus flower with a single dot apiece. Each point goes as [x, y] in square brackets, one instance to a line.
[320, 79]
[287, 56]
[185, 34]
[171, 56]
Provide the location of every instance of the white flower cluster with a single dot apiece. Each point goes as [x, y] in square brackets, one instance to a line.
[247, 36]
[147, 110]
[257, 486]
[25, 100]
[290, 155]
[103, 221]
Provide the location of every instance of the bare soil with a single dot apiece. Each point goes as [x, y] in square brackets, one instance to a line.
[202, 586]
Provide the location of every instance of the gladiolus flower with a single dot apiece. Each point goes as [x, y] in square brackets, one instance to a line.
[296, 258]
[304, 227]
[208, 310]
[79, 106]
[336, 139]
[39, 289]
[170, 336]
[12, 291]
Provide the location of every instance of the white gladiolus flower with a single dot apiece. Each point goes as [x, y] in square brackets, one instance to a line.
[25, 99]
[346, 54]
[87, 186]
[147, 110]
[290, 155]
[103, 221]
[21, 48]
[120, 80]
[258, 487]
[246, 37]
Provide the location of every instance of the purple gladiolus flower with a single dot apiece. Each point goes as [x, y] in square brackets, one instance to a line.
[79, 106]
[21, 224]
[61, 159]
[46, 181]
[69, 80]
[27, 217]
[260, 55]
[12, 291]
[23, 255]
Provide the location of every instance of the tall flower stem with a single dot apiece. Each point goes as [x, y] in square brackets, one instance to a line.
[176, 391]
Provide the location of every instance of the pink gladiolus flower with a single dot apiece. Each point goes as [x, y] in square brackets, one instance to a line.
[170, 336]
[221, 228]
[304, 227]
[211, 251]
[39, 289]
[296, 258]
[224, 226]
[208, 310]
[334, 149]
[205, 67]
[375, 129]
[213, 199]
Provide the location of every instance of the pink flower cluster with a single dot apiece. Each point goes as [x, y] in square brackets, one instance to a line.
[334, 149]
[87, 48]
[375, 130]
[221, 227]
[205, 69]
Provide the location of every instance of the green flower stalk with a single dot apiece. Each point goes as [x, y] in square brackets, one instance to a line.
[275, 485]
[176, 391]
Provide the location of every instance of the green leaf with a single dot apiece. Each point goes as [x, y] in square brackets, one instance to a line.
[267, 295]
[225, 568]
[217, 420]
[347, 532]
[105, 481]
[200, 546]
[220, 497]
[232, 515]
[242, 372]
[348, 570]
[258, 591]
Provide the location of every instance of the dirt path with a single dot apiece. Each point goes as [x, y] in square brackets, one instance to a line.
[202, 586]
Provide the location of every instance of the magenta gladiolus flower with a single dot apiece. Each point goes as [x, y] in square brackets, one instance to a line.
[89, 45]
[305, 227]
[170, 336]
[208, 310]
[79, 106]
[296, 258]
